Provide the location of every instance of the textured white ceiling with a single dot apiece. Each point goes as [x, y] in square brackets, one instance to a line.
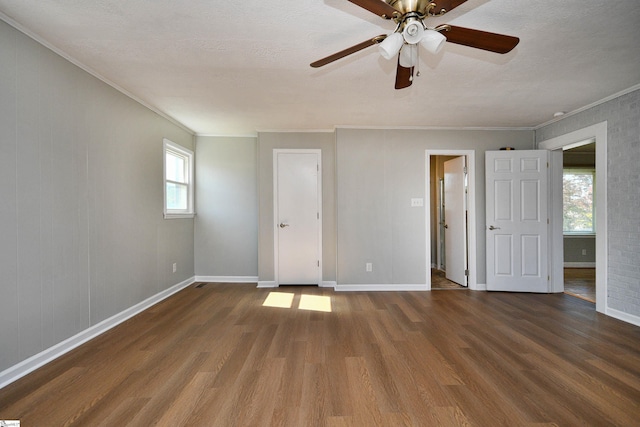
[233, 68]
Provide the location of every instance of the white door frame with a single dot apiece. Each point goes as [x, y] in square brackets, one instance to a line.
[599, 132]
[472, 280]
[276, 255]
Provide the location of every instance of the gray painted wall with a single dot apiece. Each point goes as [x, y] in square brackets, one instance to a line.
[378, 172]
[573, 247]
[226, 226]
[82, 235]
[623, 192]
[267, 142]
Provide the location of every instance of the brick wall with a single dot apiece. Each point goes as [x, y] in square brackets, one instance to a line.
[623, 192]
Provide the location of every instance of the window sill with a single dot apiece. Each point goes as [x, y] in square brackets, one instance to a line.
[580, 235]
[179, 215]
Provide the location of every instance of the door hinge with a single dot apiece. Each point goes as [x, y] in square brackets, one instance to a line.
[317, 215]
[466, 272]
[318, 263]
[464, 169]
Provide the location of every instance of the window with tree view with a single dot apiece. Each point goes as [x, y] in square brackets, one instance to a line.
[578, 201]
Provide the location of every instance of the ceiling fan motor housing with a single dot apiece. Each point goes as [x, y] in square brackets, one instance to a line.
[407, 6]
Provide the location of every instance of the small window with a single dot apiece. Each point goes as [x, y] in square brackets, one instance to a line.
[578, 201]
[178, 181]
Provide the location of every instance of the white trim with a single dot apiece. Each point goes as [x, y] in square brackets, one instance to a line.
[579, 265]
[381, 288]
[481, 287]
[599, 132]
[295, 130]
[91, 71]
[221, 135]
[471, 128]
[267, 284]
[621, 315]
[227, 279]
[586, 107]
[318, 153]
[471, 206]
[34, 362]
[329, 284]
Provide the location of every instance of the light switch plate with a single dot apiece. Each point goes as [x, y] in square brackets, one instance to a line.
[417, 203]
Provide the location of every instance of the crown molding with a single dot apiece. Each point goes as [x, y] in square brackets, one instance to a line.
[589, 106]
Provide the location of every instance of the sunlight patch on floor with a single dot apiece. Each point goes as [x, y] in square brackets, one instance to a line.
[315, 303]
[307, 302]
[278, 299]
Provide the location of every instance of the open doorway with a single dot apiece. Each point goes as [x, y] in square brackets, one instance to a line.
[448, 195]
[579, 220]
[598, 134]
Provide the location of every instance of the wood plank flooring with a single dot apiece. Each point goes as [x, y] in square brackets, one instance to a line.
[580, 283]
[440, 281]
[215, 356]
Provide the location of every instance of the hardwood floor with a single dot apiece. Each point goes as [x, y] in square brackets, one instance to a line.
[581, 283]
[440, 281]
[215, 356]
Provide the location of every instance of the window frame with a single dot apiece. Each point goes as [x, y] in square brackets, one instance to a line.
[586, 171]
[171, 147]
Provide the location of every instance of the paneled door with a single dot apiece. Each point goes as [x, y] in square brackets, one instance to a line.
[517, 220]
[297, 189]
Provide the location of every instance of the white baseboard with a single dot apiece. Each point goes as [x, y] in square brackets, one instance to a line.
[579, 265]
[227, 279]
[273, 284]
[621, 315]
[34, 362]
[479, 287]
[380, 288]
[267, 284]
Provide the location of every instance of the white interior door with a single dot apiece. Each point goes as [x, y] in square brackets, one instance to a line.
[297, 215]
[455, 220]
[517, 220]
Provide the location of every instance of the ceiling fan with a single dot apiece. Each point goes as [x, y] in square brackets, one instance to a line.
[409, 16]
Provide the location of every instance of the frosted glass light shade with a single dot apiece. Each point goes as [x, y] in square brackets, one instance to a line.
[413, 32]
[390, 46]
[409, 55]
[433, 41]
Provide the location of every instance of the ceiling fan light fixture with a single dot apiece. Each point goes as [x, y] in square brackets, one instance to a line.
[433, 41]
[391, 45]
[409, 55]
[413, 31]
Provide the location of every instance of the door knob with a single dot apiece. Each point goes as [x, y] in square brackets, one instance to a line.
[446, 226]
[283, 225]
[491, 227]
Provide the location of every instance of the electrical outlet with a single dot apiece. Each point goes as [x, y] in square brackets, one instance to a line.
[415, 203]
[368, 267]
[175, 267]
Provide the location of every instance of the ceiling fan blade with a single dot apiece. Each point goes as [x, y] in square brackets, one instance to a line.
[348, 51]
[492, 42]
[446, 5]
[378, 7]
[404, 76]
